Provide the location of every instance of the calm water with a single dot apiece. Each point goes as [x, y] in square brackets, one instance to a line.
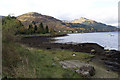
[109, 40]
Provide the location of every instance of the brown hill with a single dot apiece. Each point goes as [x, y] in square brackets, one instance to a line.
[52, 22]
[91, 24]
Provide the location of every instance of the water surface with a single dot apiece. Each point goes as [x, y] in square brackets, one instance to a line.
[109, 40]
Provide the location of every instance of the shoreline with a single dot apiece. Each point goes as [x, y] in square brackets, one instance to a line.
[43, 35]
[94, 32]
[106, 46]
[109, 58]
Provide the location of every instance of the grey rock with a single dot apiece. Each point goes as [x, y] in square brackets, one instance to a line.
[86, 71]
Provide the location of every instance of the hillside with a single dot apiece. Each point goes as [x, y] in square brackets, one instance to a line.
[79, 25]
[91, 24]
[52, 22]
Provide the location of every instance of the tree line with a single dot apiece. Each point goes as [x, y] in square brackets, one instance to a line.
[33, 29]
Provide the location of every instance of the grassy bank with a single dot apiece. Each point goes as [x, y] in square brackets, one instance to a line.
[20, 61]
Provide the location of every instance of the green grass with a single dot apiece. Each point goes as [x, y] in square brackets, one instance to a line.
[61, 54]
[38, 63]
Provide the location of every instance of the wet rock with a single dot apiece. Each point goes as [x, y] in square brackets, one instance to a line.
[113, 60]
[88, 48]
[112, 63]
[113, 68]
[112, 54]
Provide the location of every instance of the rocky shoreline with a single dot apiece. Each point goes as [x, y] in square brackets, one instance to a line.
[109, 58]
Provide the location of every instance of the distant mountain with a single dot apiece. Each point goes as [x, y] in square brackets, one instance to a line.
[52, 22]
[79, 25]
[90, 24]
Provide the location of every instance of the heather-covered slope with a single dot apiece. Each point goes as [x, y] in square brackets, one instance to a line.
[52, 22]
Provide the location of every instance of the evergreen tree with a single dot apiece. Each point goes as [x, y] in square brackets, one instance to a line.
[33, 22]
[30, 26]
[35, 28]
[41, 28]
[47, 29]
[31, 30]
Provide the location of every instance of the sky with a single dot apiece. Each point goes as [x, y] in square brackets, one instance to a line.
[105, 11]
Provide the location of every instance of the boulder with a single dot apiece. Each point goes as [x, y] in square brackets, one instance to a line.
[82, 68]
[86, 71]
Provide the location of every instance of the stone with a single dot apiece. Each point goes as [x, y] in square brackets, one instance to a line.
[82, 68]
[67, 65]
[53, 64]
[92, 50]
[73, 54]
[86, 71]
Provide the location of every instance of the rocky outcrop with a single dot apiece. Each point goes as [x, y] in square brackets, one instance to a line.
[91, 48]
[82, 68]
[112, 60]
[86, 71]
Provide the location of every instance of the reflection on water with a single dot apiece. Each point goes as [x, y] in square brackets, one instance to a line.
[109, 40]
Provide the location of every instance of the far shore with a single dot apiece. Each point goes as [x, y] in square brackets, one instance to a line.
[55, 35]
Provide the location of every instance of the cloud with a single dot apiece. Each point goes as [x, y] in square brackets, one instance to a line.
[100, 10]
